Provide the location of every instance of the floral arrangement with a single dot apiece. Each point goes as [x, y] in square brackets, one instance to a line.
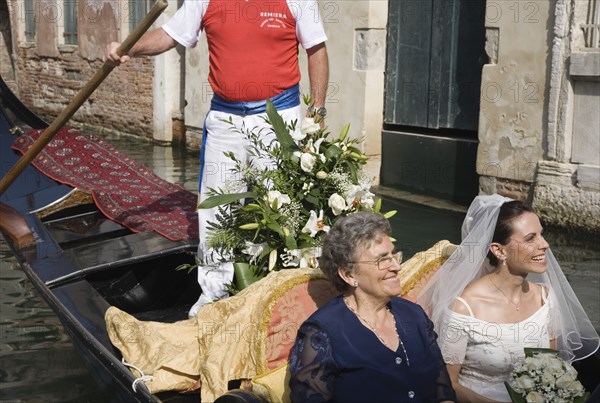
[291, 201]
[544, 377]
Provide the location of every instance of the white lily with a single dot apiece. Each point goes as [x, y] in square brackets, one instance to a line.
[253, 250]
[317, 145]
[307, 257]
[360, 195]
[291, 258]
[314, 148]
[368, 200]
[315, 224]
[298, 135]
[272, 259]
[310, 257]
[275, 197]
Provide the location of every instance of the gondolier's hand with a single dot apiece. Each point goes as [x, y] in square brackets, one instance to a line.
[152, 43]
[111, 56]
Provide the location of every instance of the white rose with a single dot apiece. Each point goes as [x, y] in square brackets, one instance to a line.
[534, 397]
[524, 382]
[307, 162]
[569, 369]
[337, 203]
[576, 389]
[552, 363]
[532, 363]
[548, 379]
[309, 126]
[565, 381]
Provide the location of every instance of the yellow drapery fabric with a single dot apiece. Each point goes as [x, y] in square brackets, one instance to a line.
[228, 339]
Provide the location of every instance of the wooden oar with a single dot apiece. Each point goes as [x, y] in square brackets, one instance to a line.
[80, 98]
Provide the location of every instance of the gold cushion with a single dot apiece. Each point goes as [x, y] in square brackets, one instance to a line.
[273, 385]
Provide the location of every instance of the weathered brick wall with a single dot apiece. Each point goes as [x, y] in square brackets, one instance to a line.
[515, 189]
[6, 66]
[193, 137]
[122, 103]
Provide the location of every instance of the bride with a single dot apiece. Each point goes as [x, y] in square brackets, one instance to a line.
[502, 290]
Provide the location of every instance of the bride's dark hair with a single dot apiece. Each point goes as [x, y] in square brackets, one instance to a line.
[504, 228]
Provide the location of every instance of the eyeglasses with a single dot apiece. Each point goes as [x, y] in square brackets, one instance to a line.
[384, 263]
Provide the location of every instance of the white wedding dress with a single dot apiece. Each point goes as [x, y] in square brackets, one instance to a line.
[486, 351]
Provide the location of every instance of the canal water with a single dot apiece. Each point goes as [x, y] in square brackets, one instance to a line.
[40, 364]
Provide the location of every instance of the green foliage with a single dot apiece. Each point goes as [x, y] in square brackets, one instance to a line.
[290, 205]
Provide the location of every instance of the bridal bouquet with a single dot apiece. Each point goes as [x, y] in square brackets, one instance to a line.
[544, 377]
[291, 201]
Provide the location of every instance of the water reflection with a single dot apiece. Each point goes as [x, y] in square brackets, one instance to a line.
[39, 363]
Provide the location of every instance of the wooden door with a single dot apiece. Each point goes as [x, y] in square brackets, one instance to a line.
[435, 54]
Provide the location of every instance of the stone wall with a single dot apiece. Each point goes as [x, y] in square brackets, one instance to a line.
[50, 74]
[561, 201]
[7, 70]
[539, 125]
[567, 188]
[512, 120]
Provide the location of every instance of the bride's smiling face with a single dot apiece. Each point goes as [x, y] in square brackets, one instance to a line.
[526, 250]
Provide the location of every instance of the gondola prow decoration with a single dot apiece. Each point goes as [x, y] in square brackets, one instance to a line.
[80, 98]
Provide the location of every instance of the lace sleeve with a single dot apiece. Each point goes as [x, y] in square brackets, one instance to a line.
[444, 391]
[312, 367]
[552, 315]
[453, 338]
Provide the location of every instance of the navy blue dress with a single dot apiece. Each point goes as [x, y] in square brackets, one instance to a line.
[336, 358]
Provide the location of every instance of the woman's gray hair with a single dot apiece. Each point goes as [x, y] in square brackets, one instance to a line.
[344, 240]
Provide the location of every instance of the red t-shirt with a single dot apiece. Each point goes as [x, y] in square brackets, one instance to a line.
[252, 44]
[252, 47]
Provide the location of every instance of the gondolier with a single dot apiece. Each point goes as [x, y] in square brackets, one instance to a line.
[253, 56]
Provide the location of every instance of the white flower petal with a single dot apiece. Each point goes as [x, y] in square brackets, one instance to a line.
[337, 204]
[275, 197]
[309, 126]
[307, 162]
[272, 259]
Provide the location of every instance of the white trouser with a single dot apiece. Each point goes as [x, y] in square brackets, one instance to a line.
[221, 137]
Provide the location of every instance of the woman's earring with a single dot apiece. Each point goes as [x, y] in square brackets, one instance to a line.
[355, 284]
[504, 262]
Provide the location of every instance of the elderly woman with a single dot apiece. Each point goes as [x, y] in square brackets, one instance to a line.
[501, 291]
[367, 344]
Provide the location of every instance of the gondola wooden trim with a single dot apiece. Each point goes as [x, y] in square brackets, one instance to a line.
[15, 227]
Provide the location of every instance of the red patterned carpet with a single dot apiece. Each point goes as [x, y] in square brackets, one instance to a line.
[124, 190]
